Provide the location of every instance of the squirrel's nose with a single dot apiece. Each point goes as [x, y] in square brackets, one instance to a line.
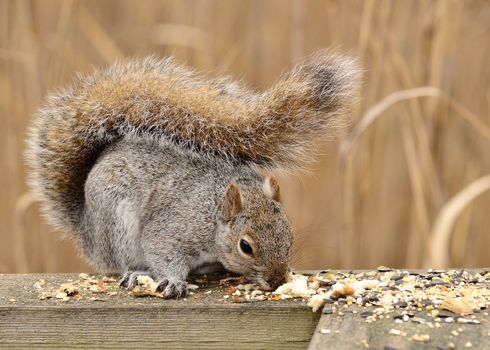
[278, 276]
[271, 283]
[276, 282]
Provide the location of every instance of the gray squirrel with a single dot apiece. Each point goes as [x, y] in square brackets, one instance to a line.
[157, 170]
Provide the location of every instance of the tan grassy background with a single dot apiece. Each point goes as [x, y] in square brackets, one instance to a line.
[380, 201]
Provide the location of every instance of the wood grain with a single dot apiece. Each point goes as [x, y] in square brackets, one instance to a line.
[205, 322]
[351, 331]
[123, 321]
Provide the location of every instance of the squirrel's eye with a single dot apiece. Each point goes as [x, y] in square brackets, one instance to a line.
[245, 247]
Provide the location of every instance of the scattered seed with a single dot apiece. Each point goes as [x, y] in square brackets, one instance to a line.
[365, 314]
[422, 338]
[468, 321]
[325, 331]
[394, 332]
[401, 304]
[419, 320]
[458, 306]
[191, 286]
[327, 310]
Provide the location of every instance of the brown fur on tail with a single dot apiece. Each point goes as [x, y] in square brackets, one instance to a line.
[158, 99]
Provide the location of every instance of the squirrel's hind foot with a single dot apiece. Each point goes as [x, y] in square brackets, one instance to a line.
[172, 288]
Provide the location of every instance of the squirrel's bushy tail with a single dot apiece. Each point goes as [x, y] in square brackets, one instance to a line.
[158, 99]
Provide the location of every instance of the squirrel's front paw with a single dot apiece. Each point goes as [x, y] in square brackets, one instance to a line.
[130, 278]
[172, 288]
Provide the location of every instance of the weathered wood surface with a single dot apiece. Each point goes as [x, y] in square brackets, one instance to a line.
[204, 320]
[351, 331]
[123, 321]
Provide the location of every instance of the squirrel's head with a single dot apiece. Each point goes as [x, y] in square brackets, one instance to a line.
[255, 234]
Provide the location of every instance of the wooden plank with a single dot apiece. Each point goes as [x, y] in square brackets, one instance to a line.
[206, 320]
[348, 330]
[122, 321]
[351, 331]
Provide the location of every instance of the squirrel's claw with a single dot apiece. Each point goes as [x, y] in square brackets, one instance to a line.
[123, 282]
[172, 289]
[130, 278]
[162, 285]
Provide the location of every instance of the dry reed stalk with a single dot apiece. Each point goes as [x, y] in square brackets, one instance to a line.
[60, 42]
[297, 36]
[16, 56]
[374, 112]
[347, 183]
[372, 115]
[347, 172]
[460, 239]
[365, 28]
[4, 268]
[414, 245]
[98, 36]
[366, 120]
[23, 204]
[229, 58]
[410, 129]
[446, 27]
[203, 19]
[479, 126]
[370, 171]
[171, 34]
[441, 231]
[350, 199]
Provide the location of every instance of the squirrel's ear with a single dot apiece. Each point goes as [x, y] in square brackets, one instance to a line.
[271, 188]
[233, 202]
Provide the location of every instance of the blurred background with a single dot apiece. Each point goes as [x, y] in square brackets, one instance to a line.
[408, 186]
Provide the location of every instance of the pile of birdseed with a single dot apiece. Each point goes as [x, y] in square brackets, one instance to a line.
[438, 292]
[432, 296]
[432, 299]
[453, 299]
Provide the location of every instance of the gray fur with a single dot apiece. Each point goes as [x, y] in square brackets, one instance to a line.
[152, 208]
[154, 169]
